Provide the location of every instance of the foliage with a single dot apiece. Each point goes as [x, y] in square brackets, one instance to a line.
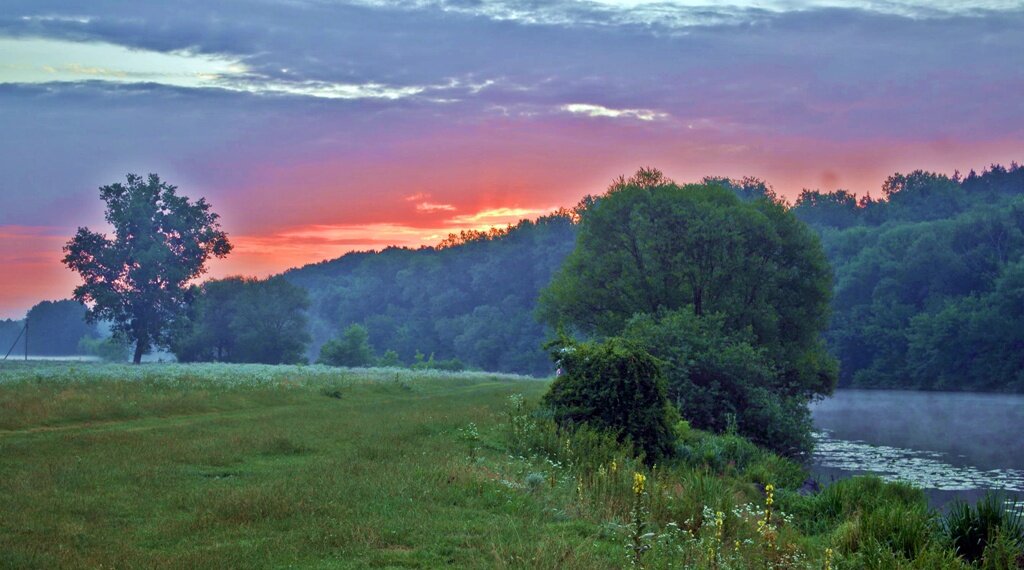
[930, 282]
[138, 279]
[55, 327]
[713, 375]
[616, 386]
[471, 300]
[934, 256]
[10, 330]
[731, 294]
[109, 349]
[650, 245]
[351, 349]
[244, 320]
[972, 530]
[389, 359]
[420, 362]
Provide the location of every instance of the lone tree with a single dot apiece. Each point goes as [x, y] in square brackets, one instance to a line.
[138, 278]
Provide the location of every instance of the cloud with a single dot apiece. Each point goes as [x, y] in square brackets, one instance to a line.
[45, 60]
[494, 217]
[430, 207]
[602, 111]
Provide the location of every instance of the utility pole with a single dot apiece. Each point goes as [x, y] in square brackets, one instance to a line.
[23, 331]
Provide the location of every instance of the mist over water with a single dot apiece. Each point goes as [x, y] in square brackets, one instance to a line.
[954, 445]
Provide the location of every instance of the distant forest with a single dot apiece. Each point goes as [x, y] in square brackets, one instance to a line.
[929, 281]
[928, 291]
[56, 329]
[471, 298]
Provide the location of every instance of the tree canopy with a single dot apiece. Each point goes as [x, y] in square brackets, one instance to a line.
[472, 299]
[138, 278]
[928, 281]
[727, 288]
[244, 320]
[351, 349]
[650, 245]
[56, 327]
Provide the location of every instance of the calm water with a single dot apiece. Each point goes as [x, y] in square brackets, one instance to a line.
[954, 445]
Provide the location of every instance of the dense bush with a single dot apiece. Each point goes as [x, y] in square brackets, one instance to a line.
[420, 362]
[614, 385]
[713, 376]
[351, 349]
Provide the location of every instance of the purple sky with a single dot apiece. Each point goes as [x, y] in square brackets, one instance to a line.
[316, 127]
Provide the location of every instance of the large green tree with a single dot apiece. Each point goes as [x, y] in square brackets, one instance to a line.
[650, 245]
[746, 270]
[138, 278]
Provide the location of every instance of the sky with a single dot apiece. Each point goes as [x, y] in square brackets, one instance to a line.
[317, 127]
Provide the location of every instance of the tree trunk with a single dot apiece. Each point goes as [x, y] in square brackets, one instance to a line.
[139, 349]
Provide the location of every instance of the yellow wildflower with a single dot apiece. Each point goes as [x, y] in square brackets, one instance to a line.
[639, 481]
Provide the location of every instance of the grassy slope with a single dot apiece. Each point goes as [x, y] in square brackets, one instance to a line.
[194, 475]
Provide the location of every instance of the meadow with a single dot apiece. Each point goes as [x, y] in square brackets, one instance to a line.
[250, 466]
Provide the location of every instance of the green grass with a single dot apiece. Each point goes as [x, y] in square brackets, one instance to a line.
[215, 472]
[220, 466]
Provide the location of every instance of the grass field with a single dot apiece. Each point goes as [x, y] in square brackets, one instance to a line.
[244, 466]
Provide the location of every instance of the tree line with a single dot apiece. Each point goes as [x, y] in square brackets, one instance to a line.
[927, 290]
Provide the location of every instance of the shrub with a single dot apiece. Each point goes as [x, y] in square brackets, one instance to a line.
[110, 349]
[352, 349]
[390, 359]
[616, 386]
[423, 363]
[721, 379]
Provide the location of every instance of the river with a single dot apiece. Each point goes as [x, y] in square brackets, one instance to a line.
[955, 445]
